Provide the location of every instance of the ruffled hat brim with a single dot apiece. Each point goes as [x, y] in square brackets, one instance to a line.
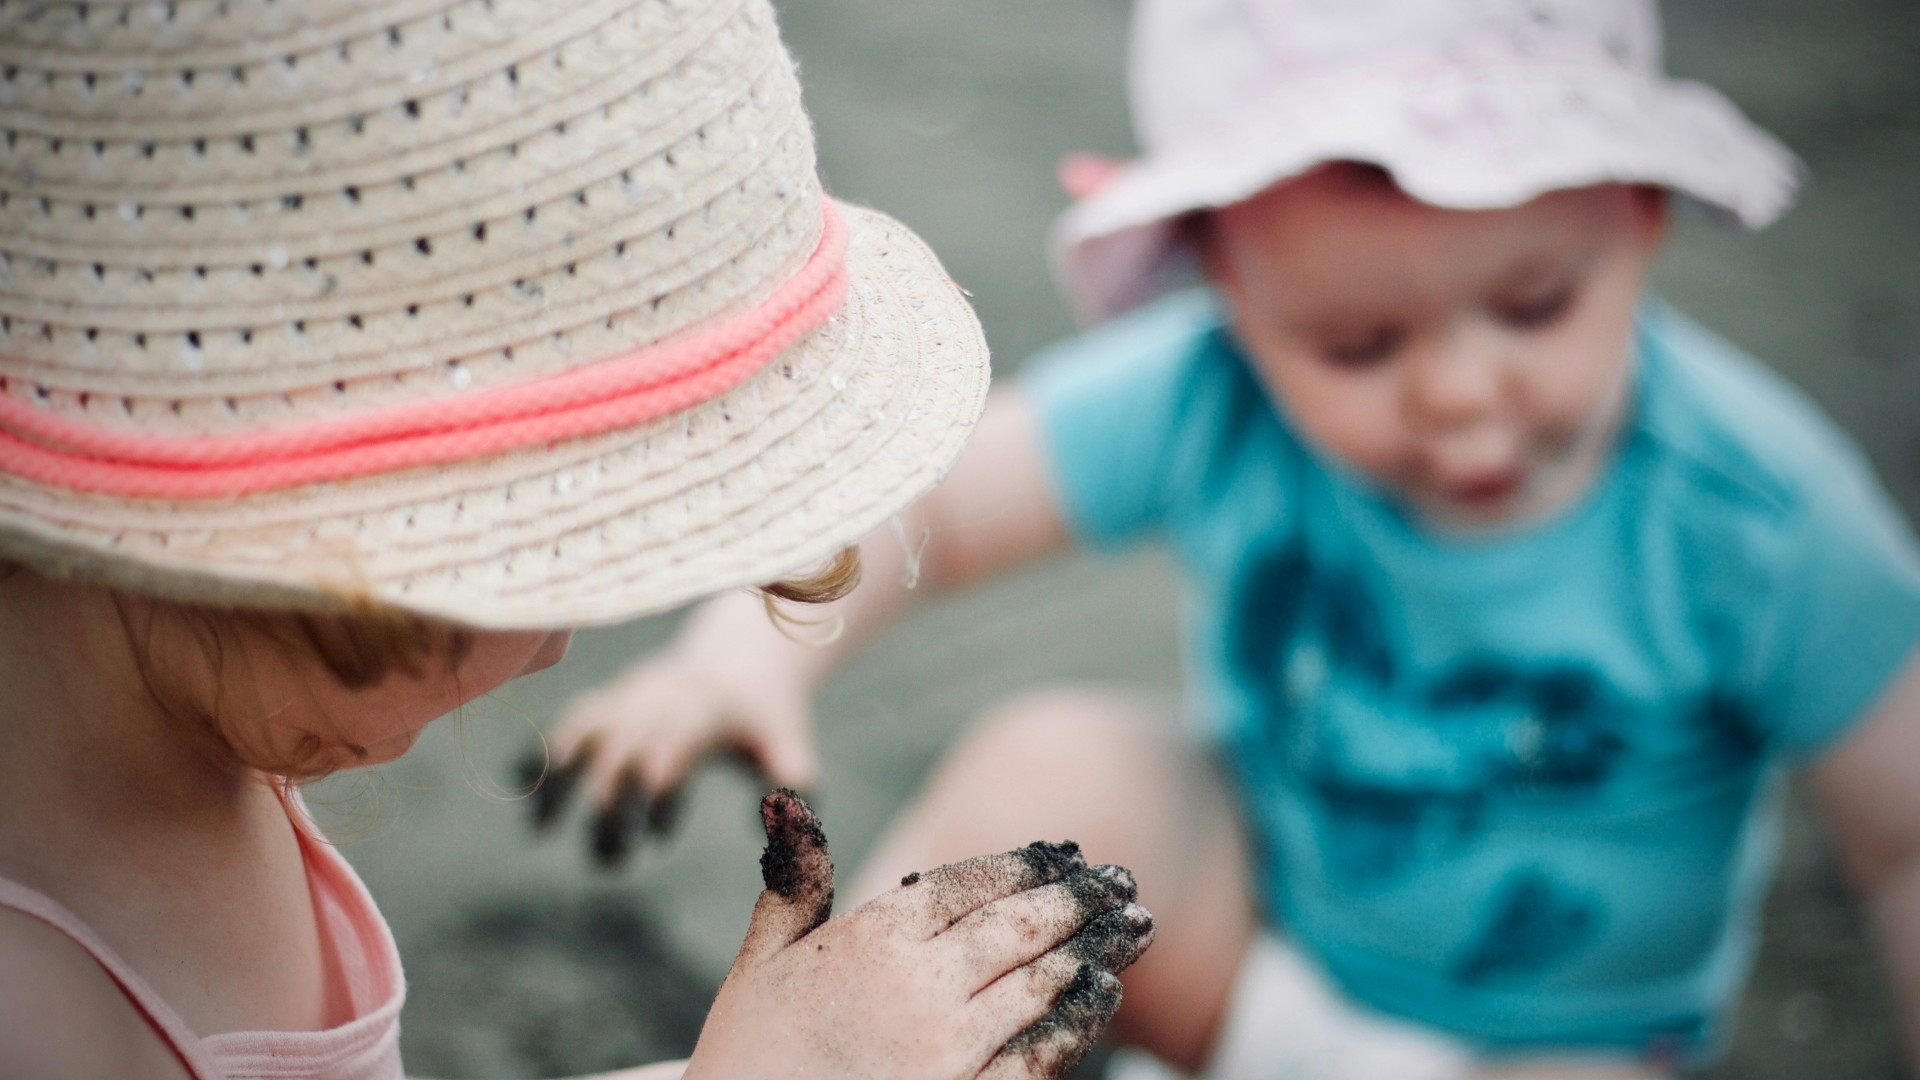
[1463, 138]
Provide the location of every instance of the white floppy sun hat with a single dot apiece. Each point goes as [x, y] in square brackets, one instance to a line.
[512, 313]
[1470, 104]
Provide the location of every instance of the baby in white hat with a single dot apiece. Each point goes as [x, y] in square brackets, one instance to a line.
[1510, 592]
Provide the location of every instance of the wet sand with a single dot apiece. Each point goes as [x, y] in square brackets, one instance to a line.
[526, 961]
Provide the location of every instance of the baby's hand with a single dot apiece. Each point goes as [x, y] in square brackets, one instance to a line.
[1000, 967]
[632, 742]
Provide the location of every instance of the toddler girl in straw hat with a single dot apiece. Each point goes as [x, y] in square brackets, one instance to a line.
[351, 353]
[1510, 592]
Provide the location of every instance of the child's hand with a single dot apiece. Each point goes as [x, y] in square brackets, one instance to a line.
[632, 742]
[1000, 967]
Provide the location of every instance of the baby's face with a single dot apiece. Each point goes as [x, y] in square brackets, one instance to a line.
[1476, 363]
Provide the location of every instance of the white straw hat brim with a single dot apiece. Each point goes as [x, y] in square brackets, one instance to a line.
[1464, 138]
[802, 459]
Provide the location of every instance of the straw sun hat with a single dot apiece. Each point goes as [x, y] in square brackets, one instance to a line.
[511, 312]
[1470, 104]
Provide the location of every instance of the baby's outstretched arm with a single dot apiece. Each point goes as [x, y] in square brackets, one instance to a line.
[732, 680]
[1870, 789]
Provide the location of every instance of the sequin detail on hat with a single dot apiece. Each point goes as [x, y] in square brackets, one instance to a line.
[58, 450]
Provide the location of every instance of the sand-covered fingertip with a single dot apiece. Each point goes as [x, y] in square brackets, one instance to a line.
[1050, 860]
[796, 856]
[1055, 1043]
[1113, 940]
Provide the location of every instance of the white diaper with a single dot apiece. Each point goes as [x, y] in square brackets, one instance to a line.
[1285, 1022]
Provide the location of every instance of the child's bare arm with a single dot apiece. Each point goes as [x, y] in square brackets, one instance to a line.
[731, 679]
[1870, 789]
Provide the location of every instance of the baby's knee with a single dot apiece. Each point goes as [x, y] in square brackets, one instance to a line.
[1066, 731]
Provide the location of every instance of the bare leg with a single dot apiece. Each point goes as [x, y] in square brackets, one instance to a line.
[1099, 769]
[1095, 768]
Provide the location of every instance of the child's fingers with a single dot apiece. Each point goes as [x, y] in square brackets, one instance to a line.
[675, 746]
[614, 826]
[550, 779]
[631, 748]
[583, 720]
[664, 810]
[1066, 997]
[798, 874]
[944, 896]
[530, 768]
[1009, 932]
[1053, 1044]
[1023, 997]
[1114, 940]
[612, 760]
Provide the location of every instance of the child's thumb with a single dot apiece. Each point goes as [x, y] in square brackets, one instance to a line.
[798, 874]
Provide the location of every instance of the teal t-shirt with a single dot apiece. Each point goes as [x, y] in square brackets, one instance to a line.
[1521, 787]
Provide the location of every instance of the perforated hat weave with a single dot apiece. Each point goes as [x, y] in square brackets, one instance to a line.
[515, 313]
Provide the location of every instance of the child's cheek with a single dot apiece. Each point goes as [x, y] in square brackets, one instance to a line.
[386, 719]
[1579, 383]
[1583, 370]
[1352, 417]
[500, 656]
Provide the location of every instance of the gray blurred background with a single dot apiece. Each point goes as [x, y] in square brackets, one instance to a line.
[525, 961]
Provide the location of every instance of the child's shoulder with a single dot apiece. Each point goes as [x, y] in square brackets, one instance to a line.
[1746, 439]
[1152, 419]
[61, 1014]
[1176, 325]
[1784, 536]
[1168, 367]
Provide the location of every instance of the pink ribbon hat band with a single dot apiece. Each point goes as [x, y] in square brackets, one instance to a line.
[61, 451]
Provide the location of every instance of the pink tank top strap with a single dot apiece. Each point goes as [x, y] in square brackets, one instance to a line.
[165, 1023]
[366, 1047]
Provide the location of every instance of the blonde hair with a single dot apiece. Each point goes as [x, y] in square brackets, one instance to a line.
[831, 582]
[358, 648]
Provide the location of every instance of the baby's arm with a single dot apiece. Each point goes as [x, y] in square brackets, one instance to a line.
[732, 679]
[1870, 789]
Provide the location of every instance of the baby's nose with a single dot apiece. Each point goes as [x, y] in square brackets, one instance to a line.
[1457, 383]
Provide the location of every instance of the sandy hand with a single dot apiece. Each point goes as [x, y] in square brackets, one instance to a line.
[628, 747]
[1000, 967]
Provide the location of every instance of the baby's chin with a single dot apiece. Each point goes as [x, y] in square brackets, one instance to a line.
[1553, 474]
[1450, 513]
[1515, 500]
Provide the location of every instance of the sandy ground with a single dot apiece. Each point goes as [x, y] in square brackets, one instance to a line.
[525, 961]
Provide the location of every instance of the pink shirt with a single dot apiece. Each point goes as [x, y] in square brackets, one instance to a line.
[365, 1048]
